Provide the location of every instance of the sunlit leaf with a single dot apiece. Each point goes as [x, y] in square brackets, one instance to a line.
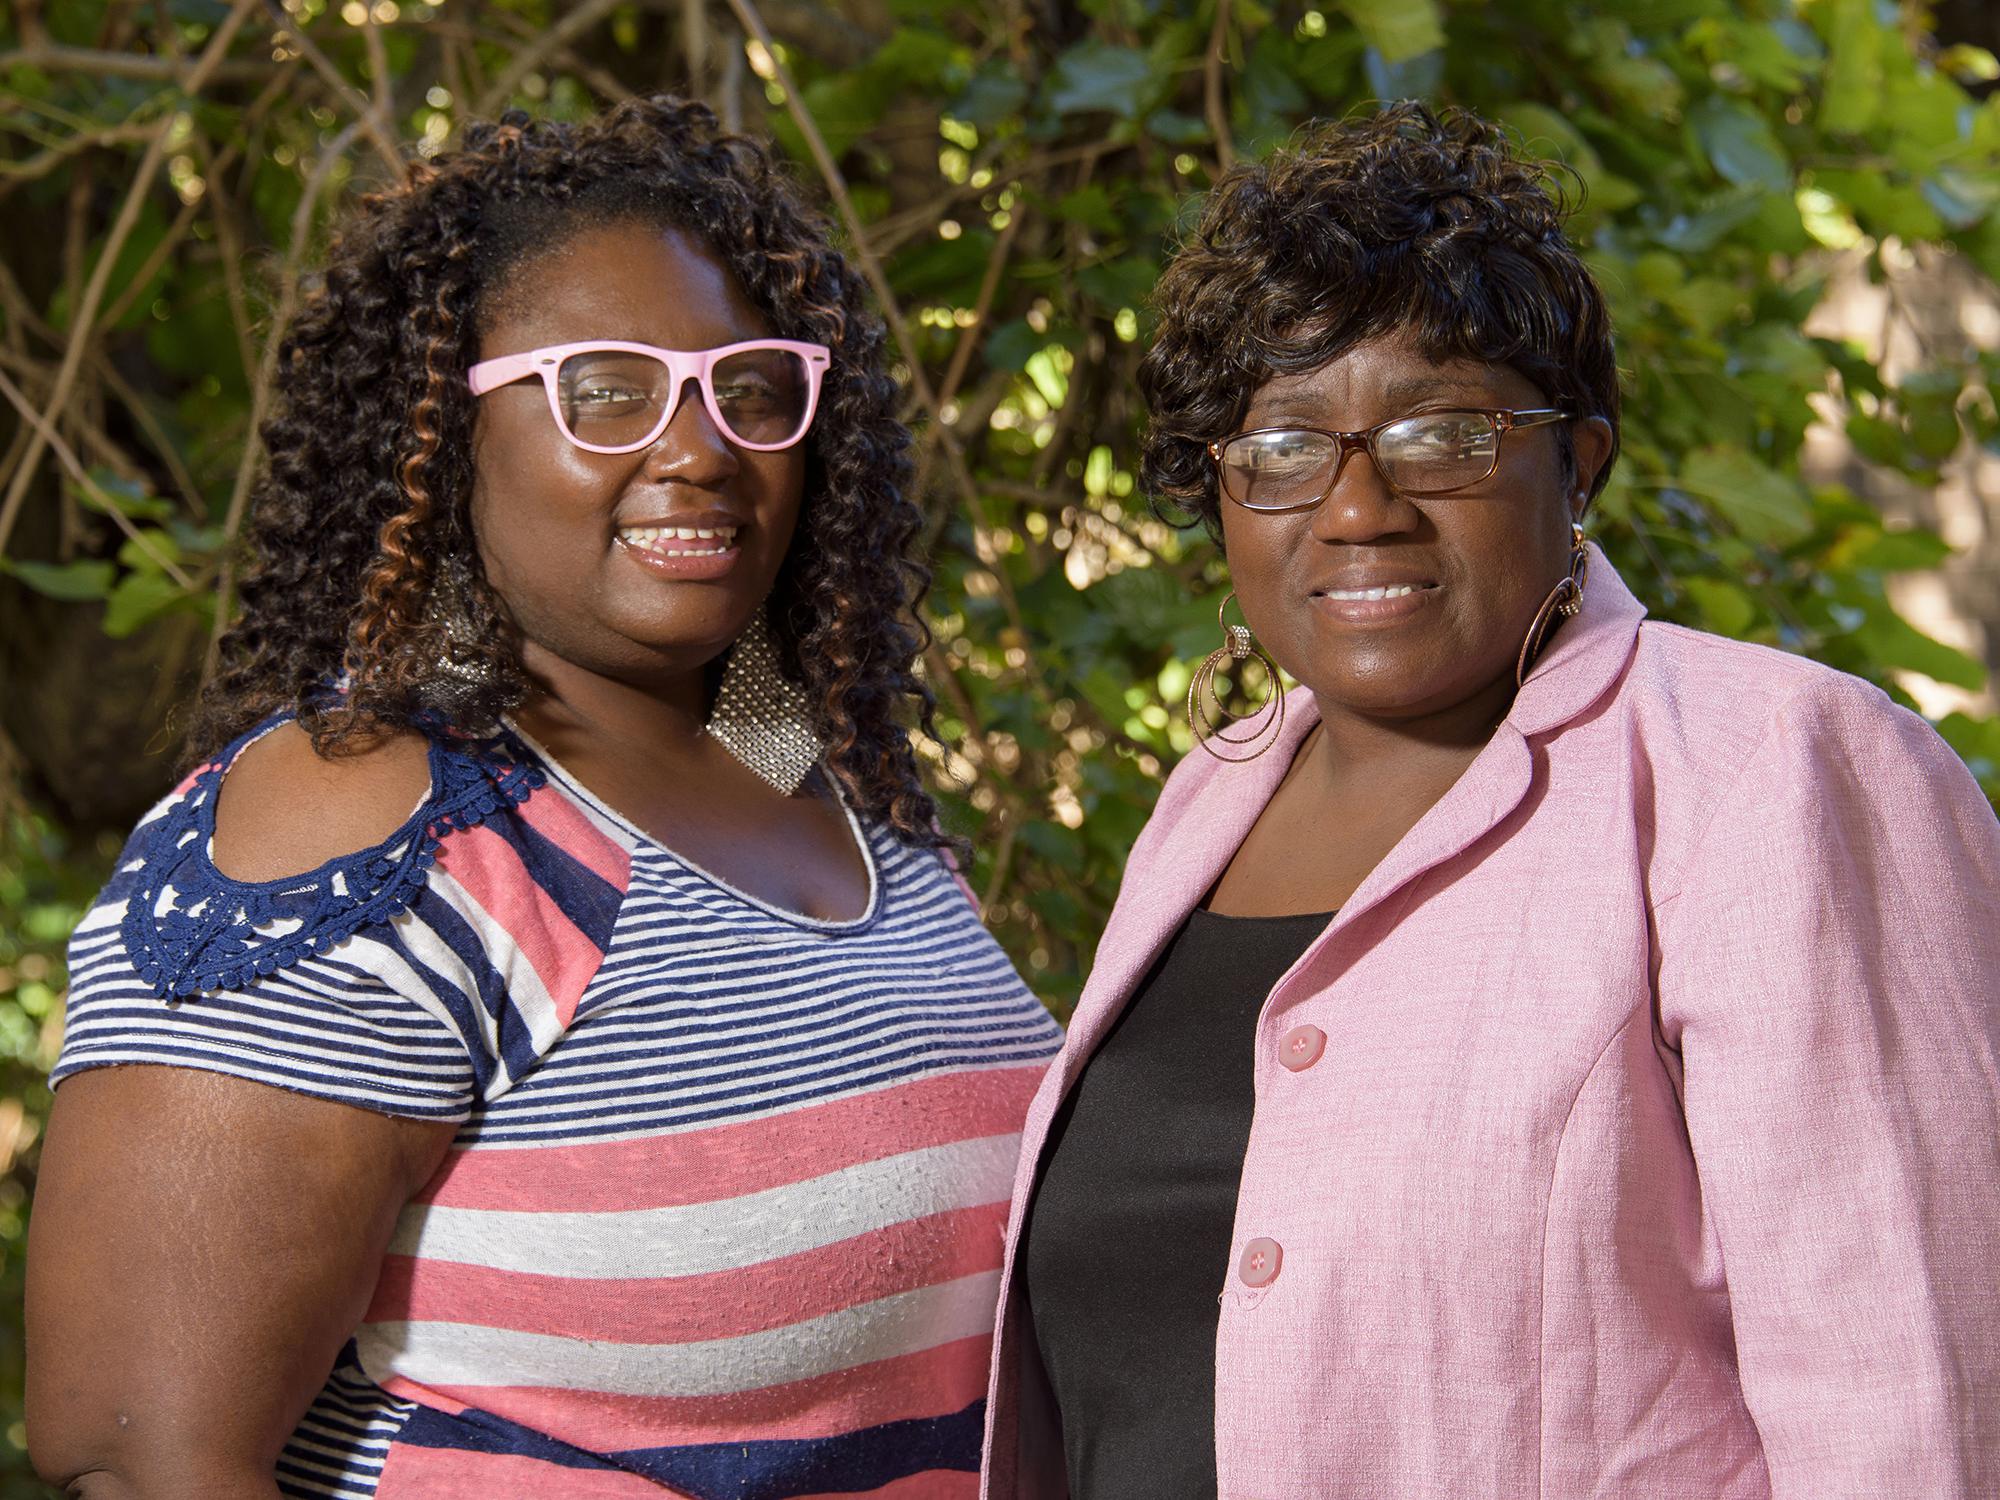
[138, 598]
[1759, 502]
[1398, 30]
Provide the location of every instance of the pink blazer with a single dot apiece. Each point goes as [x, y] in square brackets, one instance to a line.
[1633, 1131]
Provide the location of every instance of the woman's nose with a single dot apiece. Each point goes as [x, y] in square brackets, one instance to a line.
[1361, 505]
[692, 448]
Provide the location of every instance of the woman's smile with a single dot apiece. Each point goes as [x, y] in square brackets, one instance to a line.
[1373, 603]
[694, 547]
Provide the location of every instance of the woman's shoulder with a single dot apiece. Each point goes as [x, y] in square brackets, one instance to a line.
[1725, 697]
[1704, 666]
[1716, 716]
[283, 809]
[270, 851]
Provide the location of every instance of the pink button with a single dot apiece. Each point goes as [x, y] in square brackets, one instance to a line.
[1300, 1048]
[1260, 1261]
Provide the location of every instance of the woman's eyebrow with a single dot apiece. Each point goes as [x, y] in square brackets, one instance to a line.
[1405, 393]
[1417, 389]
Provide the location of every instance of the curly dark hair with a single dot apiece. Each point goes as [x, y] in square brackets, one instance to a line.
[1400, 220]
[361, 521]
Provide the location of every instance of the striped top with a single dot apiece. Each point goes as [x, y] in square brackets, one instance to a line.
[723, 1215]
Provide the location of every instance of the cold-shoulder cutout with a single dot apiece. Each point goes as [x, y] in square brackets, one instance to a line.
[285, 810]
[189, 925]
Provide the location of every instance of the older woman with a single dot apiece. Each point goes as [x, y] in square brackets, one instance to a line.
[543, 1049]
[1560, 1056]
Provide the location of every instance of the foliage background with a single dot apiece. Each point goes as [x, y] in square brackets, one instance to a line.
[1011, 173]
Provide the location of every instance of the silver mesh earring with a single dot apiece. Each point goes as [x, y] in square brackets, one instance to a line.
[462, 674]
[760, 714]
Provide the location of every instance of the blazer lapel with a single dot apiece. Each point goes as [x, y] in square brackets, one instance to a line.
[1161, 888]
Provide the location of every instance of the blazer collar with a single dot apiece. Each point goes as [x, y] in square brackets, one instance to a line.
[1586, 658]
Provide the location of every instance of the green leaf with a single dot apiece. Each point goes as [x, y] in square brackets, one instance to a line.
[67, 581]
[1740, 144]
[1012, 345]
[1120, 283]
[134, 553]
[996, 95]
[1977, 742]
[1096, 76]
[1762, 504]
[1912, 551]
[129, 496]
[1268, 91]
[1398, 30]
[1089, 206]
[1413, 78]
[1727, 608]
[138, 598]
[1895, 643]
[1176, 129]
[1703, 230]
[1852, 92]
[1962, 197]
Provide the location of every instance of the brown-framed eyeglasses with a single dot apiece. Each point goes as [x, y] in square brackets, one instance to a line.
[1431, 453]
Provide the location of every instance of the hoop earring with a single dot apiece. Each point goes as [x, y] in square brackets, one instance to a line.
[1563, 602]
[1238, 645]
[761, 716]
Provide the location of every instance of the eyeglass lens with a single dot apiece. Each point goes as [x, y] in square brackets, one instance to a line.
[615, 397]
[1425, 454]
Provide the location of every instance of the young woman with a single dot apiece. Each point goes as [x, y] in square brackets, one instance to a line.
[542, 1049]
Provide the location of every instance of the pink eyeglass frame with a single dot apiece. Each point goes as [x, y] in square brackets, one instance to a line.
[682, 365]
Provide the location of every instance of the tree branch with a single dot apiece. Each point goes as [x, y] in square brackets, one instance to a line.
[381, 133]
[68, 459]
[54, 57]
[541, 50]
[1211, 93]
[93, 296]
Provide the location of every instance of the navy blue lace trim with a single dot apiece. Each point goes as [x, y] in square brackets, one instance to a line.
[188, 927]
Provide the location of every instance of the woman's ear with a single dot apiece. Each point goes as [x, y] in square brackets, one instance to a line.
[1590, 441]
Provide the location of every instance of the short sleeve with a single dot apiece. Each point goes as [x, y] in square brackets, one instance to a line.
[1830, 973]
[357, 1024]
[414, 978]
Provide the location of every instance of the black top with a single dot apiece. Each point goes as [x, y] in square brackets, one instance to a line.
[1126, 1248]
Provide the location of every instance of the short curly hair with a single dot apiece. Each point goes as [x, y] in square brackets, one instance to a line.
[361, 521]
[1403, 220]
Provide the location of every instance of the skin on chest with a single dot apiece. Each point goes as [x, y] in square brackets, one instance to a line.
[694, 798]
[1321, 834]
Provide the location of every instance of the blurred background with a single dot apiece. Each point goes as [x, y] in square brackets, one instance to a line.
[1794, 206]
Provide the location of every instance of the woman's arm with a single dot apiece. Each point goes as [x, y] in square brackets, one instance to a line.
[1830, 972]
[201, 1248]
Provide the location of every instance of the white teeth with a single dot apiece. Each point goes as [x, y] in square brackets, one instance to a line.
[1391, 593]
[640, 535]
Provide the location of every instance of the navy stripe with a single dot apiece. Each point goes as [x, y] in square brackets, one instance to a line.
[766, 1469]
[585, 897]
[517, 1043]
[495, 1126]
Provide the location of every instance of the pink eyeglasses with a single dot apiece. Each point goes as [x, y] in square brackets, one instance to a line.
[618, 398]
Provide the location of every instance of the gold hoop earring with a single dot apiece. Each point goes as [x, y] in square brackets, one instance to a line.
[1563, 603]
[1238, 645]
